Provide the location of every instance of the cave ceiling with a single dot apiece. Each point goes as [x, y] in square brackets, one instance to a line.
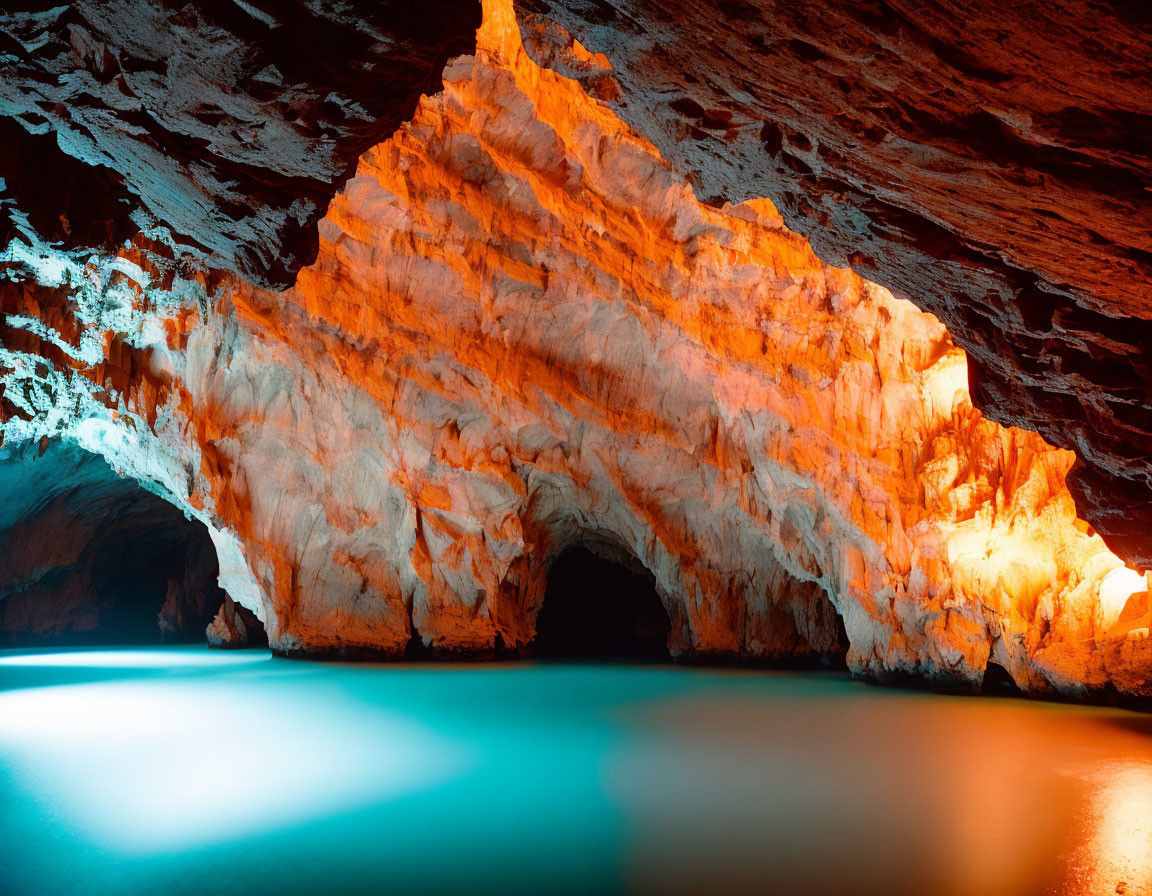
[225, 126]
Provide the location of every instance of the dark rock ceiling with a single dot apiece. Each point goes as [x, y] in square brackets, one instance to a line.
[231, 124]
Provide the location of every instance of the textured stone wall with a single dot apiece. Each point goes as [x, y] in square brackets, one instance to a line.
[223, 128]
[524, 333]
[991, 162]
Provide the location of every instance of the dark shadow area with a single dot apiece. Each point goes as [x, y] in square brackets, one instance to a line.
[87, 557]
[837, 657]
[998, 682]
[66, 201]
[599, 609]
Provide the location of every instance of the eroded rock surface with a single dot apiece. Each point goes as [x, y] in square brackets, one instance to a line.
[524, 334]
[992, 162]
[224, 127]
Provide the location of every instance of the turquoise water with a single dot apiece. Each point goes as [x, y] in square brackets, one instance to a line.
[182, 770]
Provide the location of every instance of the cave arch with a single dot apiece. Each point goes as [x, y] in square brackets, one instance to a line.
[601, 603]
[88, 557]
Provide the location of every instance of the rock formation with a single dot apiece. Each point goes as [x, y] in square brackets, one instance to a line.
[522, 334]
[992, 162]
[235, 626]
[222, 127]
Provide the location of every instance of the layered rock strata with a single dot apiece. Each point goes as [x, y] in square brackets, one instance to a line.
[522, 334]
[222, 127]
[991, 162]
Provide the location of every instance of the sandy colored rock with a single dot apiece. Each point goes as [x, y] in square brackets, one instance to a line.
[235, 626]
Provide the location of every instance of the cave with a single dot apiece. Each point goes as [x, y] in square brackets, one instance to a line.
[998, 682]
[597, 608]
[649, 434]
[95, 558]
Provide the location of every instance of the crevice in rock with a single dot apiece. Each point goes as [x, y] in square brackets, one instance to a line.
[598, 608]
[65, 200]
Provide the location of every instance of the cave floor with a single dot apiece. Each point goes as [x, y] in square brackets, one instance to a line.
[181, 770]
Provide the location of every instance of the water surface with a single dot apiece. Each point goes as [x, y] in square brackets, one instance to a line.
[183, 770]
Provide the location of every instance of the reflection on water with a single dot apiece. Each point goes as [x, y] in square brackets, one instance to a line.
[1116, 853]
[180, 770]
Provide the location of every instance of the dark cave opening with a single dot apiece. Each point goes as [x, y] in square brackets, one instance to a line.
[601, 609]
[90, 558]
[998, 682]
[145, 574]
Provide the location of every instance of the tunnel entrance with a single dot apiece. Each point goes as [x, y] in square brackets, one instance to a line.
[600, 609]
[998, 682]
[88, 558]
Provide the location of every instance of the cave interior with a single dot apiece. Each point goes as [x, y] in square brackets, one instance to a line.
[708, 446]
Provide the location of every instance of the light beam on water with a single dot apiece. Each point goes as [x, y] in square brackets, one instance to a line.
[143, 765]
[188, 771]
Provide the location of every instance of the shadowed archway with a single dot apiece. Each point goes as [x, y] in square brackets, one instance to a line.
[88, 557]
[597, 608]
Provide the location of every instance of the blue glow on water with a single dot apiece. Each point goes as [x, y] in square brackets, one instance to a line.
[183, 770]
[131, 658]
[165, 765]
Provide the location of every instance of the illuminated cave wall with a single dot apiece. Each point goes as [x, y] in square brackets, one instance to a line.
[990, 161]
[524, 334]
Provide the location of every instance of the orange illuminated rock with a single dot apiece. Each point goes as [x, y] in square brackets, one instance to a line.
[990, 161]
[523, 333]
